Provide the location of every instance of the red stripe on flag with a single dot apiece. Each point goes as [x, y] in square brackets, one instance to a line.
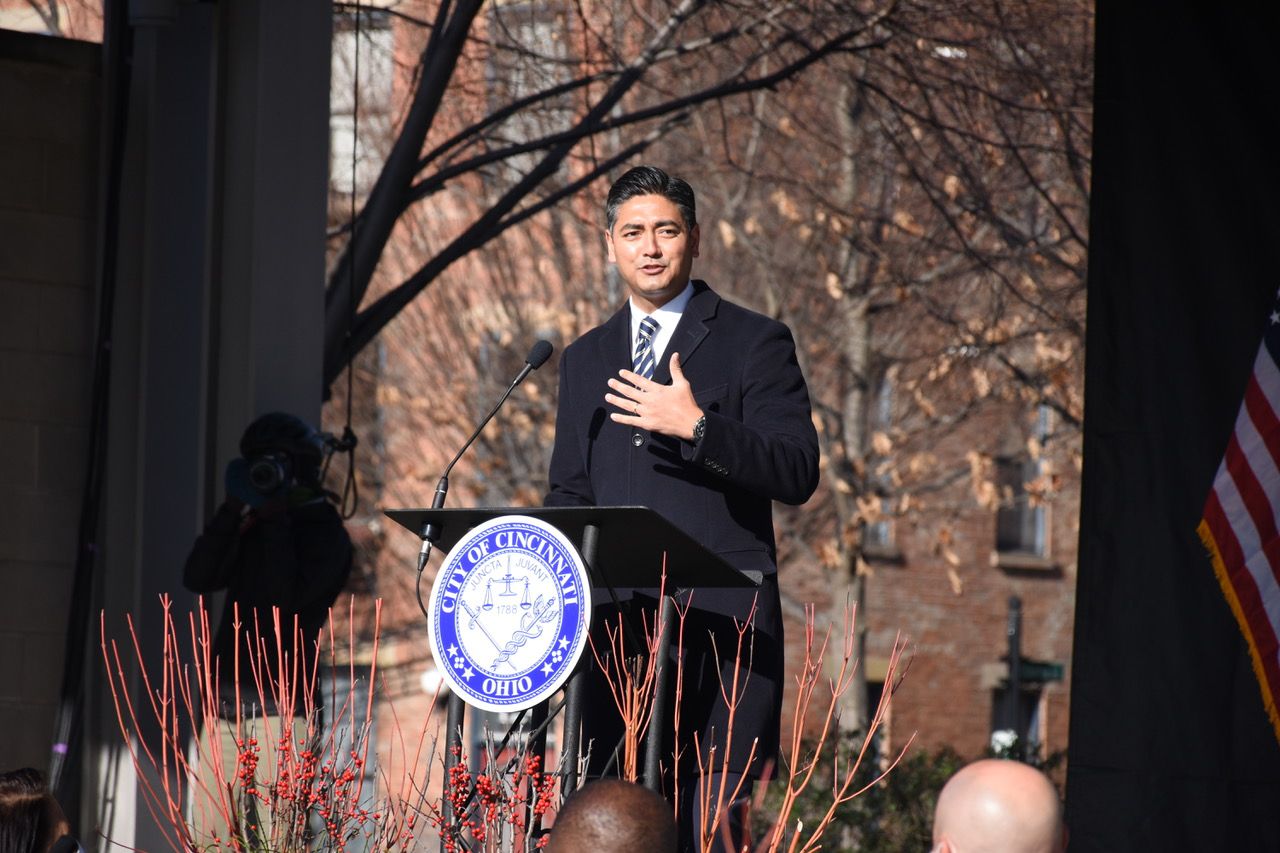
[1263, 417]
[1262, 632]
[1252, 495]
[1270, 647]
[1223, 534]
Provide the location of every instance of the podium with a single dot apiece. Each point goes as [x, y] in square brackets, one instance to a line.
[623, 548]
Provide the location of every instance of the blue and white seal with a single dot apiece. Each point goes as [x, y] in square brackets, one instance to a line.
[509, 613]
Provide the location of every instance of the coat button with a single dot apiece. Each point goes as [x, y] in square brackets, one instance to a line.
[637, 439]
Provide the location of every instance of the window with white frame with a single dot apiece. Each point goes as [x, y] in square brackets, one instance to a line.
[361, 79]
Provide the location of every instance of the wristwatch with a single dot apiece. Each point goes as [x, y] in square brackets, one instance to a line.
[699, 429]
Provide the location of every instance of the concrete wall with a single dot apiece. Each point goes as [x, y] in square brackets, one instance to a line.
[49, 128]
[217, 313]
[220, 244]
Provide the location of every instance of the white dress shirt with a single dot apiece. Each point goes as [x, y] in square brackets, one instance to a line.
[667, 317]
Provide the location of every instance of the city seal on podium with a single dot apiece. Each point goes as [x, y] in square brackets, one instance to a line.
[509, 613]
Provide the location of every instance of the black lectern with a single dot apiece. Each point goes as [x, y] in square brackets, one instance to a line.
[623, 548]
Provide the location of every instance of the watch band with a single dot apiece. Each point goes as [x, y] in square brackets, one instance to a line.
[699, 429]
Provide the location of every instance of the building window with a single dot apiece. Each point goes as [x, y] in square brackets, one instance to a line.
[878, 533]
[356, 158]
[530, 56]
[1018, 695]
[880, 748]
[1022, 520]
[1019, 729]
[882, 737]
[1024, 718]
[882, 406]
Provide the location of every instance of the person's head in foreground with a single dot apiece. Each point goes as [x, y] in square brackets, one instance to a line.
[31, 821]
[998, 806]
[613, 815]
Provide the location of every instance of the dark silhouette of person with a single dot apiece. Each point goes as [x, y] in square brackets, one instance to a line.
[276, 543]
[613, 815]
[31, 819]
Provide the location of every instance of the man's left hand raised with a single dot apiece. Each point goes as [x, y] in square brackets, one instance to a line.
[665, 409]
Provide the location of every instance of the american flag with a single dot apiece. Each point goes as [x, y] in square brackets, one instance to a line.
[1239, 526]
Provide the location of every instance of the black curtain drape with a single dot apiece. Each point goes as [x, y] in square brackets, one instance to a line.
[1170, 748]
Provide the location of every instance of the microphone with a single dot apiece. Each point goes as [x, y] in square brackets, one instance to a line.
[537, 357]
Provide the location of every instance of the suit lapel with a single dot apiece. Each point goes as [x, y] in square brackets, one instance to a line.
[693, 328]
[615, 343]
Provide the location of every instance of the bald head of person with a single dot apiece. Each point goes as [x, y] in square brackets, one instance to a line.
[610, 814]
[997, 806]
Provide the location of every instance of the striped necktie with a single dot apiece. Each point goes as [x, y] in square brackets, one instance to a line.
[644, 360]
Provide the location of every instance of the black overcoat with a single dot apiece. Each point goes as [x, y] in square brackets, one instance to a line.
[759, 446]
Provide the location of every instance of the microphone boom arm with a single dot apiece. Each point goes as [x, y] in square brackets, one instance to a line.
[431, 531]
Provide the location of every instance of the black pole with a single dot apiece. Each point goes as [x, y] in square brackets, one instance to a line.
[658, 721]
[1013, 692]
[452, 755]
[572, 730]
[571, 741]
[537, 747]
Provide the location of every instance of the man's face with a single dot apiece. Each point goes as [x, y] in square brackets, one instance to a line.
[653, 249]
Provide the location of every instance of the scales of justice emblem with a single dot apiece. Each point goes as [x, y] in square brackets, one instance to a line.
[509, 613]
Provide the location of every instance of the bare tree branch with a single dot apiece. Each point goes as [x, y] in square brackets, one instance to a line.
[346, 331]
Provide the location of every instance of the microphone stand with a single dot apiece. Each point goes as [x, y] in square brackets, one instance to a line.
[430, 533]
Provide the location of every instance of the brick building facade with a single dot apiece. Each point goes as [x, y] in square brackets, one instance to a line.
[941, 571]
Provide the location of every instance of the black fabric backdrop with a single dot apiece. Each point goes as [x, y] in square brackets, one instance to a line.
[1170, 748]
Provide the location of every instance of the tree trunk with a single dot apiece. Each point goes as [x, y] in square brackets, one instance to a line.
[851, 583]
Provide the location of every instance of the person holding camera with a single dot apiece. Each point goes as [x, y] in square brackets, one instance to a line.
[276, 544]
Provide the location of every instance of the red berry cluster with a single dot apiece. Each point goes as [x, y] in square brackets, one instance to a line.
[308, 783]
[483, 803]
[247, 765]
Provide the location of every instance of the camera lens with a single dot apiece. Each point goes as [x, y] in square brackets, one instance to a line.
[266, 474]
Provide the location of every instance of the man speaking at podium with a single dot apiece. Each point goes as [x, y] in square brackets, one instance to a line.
[695, 407]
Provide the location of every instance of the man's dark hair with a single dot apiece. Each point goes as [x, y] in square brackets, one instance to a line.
[650, 180]
[610, 814]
